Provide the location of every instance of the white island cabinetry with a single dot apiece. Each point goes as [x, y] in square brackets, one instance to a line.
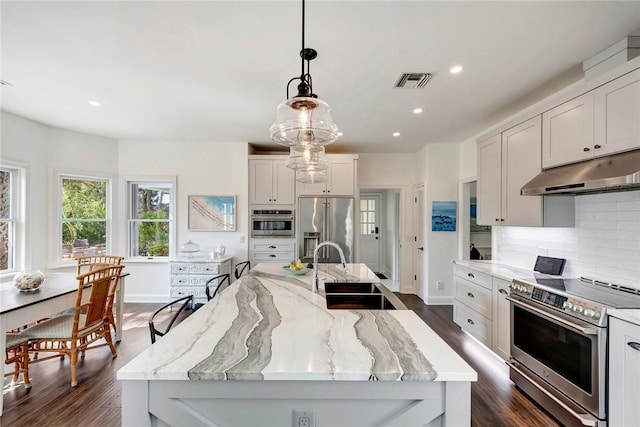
[267, 347]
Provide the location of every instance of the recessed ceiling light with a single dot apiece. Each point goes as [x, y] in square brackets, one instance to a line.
[94, 103]
[396, 134]
[417, 110]
[456, 69]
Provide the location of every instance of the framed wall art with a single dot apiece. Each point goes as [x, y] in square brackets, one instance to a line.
[212, 213]
[443, 216]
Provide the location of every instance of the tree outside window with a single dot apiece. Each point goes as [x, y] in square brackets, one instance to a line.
[150, 219]
[6, 221]
[84, 217]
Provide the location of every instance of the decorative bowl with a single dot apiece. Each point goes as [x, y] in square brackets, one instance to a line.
[297, 272]
[28, 281]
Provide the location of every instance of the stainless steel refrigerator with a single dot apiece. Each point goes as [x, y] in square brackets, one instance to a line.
[325, 218]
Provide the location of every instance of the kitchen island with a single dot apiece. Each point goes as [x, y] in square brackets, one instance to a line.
[267, 347]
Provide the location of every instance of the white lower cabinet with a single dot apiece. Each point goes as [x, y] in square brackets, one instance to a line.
[272, 250]
[482, 310]
[189, 277]
[624, 373]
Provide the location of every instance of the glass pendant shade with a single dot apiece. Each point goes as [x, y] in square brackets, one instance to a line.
[308, 157]
[303, 120]
[308, 176]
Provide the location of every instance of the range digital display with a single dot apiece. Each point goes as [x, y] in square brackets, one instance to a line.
[548, 298]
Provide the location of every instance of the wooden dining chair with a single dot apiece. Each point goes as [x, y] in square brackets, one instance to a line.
[215, 280]
[17, 353]
[70, 334]
[240, 268]
[184, 304]
[88, 263]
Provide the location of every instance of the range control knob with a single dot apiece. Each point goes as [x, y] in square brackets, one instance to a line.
[578, 309]
[589, 313]
[567, 305]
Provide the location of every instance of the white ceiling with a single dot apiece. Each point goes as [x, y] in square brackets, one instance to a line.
[216, 70]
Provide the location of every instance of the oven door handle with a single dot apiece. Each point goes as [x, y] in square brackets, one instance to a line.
[583, 329]
[585, 419]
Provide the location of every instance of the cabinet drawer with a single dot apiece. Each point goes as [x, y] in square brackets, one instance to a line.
[194, 268]
[474, 276]
[270, 245]
[473, 323]
[184, 291]
[178, 280]
[274, 256]
[474, 296]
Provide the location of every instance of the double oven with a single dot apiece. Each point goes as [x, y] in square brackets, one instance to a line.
[272, 223]
[559, 344]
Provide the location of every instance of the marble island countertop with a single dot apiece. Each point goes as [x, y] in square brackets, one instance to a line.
[270, 326]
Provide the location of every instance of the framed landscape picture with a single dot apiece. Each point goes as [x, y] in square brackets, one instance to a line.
[212, 213]
[443, 216]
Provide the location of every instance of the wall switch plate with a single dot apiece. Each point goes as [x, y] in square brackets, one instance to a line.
[304, 418]
[439, 284]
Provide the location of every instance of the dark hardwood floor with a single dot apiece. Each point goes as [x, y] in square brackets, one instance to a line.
[96, 401]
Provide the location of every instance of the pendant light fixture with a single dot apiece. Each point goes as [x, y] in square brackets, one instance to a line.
[304, 119]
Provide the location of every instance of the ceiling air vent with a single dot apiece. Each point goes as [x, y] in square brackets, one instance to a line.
[413, 80]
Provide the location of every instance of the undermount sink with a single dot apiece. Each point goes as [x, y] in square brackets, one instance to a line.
[350, 288]
[360, 296]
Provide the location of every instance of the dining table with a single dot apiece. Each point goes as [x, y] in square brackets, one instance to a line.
[58, 293]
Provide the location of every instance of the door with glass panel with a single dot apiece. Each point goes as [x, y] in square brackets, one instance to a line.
[370, 231]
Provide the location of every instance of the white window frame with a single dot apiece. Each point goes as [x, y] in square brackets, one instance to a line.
[129, 205]
[17, 216]
[57, 243]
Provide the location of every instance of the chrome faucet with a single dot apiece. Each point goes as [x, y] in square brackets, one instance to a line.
[314, 283]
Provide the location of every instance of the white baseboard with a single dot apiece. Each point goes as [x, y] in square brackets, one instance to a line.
[146, 298]
[440, 301]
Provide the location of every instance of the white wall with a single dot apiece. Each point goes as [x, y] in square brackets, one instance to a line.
[46, 150]
[201, 168]
[388, 171]
[437, 168]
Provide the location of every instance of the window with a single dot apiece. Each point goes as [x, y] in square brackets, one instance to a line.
[150, 218]
[368, 216]
[12, 185]
[85, 215]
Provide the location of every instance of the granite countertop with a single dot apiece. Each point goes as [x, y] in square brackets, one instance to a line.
[631, 315]
[268, 325]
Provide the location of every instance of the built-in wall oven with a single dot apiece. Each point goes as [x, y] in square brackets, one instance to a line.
[559, 344]
[272, 223]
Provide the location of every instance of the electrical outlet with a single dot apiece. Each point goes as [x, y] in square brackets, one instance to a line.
[242, 238]
[304, 418]
[439, 284]
[543, 251]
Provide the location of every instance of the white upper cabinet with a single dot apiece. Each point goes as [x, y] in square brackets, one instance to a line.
[617, 114]
[568, 134]
[602, 121]
[271, 182]
[341, 180]
[506, 162]
[489, 185]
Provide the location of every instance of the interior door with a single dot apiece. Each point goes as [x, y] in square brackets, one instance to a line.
[418, 241]
[370, 231]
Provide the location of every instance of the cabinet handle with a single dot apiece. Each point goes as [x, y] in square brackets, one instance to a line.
[272, 247]
[469, 294]
[585, 149]
[501, 219]
[471, 275]
[469, 321]
[634, 345]
[270, 200]
[497, 219]
[597, 146]
[272, 256]
[503, 292]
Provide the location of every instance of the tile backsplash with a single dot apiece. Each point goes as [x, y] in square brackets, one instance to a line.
[605, 243]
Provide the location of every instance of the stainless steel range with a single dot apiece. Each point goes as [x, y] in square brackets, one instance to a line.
[559, 344]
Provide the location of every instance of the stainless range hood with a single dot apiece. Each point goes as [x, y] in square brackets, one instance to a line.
[616, 172]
